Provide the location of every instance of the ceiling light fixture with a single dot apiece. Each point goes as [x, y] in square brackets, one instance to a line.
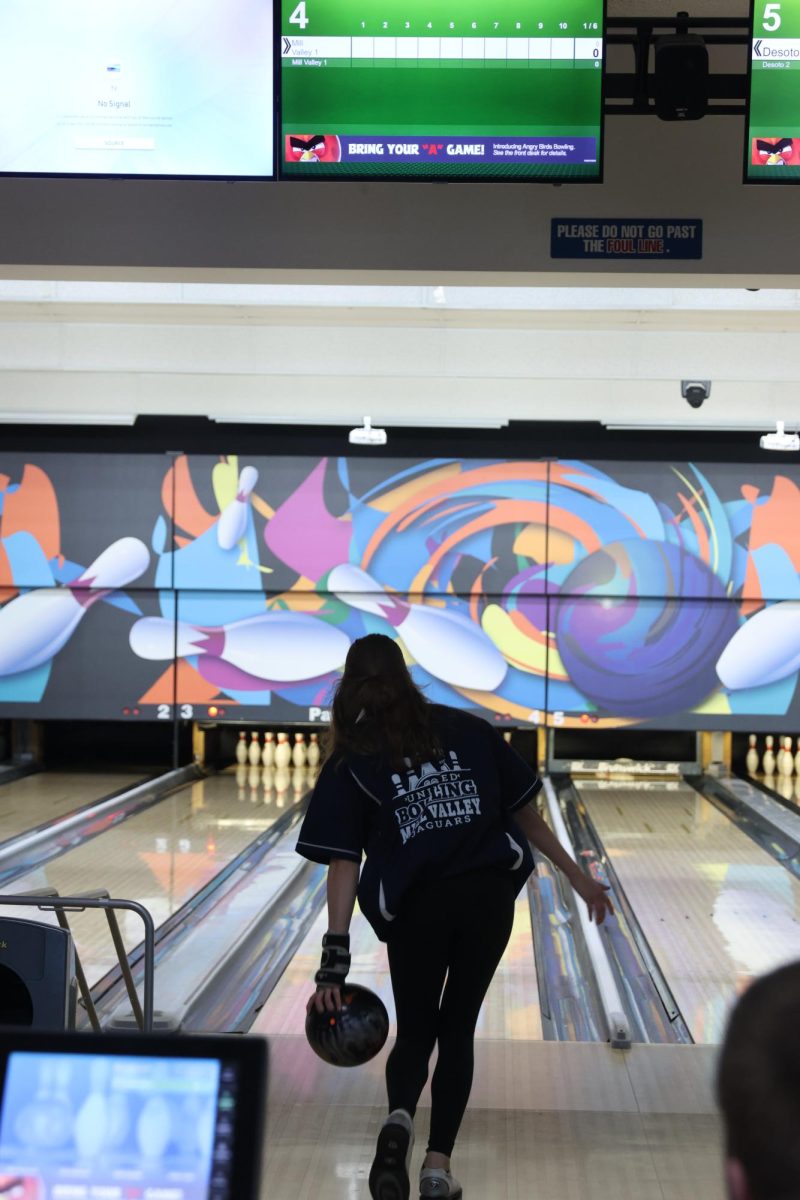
[780, 439]
[365, 435]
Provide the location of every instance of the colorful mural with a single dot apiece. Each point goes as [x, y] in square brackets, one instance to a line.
[531, 591]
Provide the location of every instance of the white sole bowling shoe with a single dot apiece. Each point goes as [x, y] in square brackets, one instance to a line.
[388, 1177]
[437, 1184]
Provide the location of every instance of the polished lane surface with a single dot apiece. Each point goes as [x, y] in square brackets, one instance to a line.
[161, 857]
[48, 795]
[716, 909]
[510, 1011]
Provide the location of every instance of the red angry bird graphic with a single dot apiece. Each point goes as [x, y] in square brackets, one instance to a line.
[775, 152]
[312, 148]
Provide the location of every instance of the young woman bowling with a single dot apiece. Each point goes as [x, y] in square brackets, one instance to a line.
[440, 808]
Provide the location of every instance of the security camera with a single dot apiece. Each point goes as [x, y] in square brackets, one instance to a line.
[695, 391]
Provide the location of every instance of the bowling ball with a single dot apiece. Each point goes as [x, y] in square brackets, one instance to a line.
[353, 1034]
[639, 626]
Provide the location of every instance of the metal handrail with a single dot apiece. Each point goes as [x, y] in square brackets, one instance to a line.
[62, 904]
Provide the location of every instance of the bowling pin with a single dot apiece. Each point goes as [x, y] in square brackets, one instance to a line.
[768, 761]
[232, 523]
[444, 642]
[283, 751]
[268, 752]
[282, 780]
[37, 624]
[299, 750]
[797, 758]
[752, 755]
[280, 647]
[254, 751]
[312, 756]
[241, 748]
[787, 765]
[507, 736]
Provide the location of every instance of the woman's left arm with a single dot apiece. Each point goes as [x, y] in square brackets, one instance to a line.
[342, 885]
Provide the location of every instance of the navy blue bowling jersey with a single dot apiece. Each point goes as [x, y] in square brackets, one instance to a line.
[423, 823]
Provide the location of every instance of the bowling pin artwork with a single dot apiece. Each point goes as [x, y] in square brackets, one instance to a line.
[154, 1128]
[254, 751]
[92, 1118]
[283, 751]
[768, 761]
[752, 755]
[299, 750]
[766, 648]
[268, 751]
[241, 748]
[232, 523]
[444, 642]
[37, 624]
[279, 647]
[313, 750]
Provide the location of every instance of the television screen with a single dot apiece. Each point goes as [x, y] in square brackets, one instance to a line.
[772, 152]
[137, 87]
[84, 1117]
[422, 90]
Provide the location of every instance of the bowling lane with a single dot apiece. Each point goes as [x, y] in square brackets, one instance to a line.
[510, 1011]
[47, 795]
[161, 857]
[716, 909]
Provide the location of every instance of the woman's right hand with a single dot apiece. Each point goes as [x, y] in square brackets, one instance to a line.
[325, 999]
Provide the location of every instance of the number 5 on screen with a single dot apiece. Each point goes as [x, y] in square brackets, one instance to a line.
[771, 20]
[299, 17]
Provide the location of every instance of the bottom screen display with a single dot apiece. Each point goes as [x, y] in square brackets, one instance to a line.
[74, 1126]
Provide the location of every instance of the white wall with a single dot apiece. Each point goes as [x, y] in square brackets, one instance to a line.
[424, 232]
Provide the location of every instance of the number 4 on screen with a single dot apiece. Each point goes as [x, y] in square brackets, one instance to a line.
[299, 17]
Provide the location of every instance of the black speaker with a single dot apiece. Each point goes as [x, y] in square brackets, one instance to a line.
[680, 77]
[37, 975]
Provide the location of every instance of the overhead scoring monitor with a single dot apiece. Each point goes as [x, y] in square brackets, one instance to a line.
[773, 119]
[433, 89]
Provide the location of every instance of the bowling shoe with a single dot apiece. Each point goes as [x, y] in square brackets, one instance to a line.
[435, 1182]
[388, 1178]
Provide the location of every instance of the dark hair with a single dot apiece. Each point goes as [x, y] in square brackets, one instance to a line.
[758, 1085]
[378, 710]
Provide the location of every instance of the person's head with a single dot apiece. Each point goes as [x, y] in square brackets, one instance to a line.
[377, 709]
[758, 1088]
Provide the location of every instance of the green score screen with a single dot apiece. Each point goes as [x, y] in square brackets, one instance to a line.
[442, 89]
[773, 126]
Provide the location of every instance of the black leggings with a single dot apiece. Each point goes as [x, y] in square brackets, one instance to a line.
[455, 929]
